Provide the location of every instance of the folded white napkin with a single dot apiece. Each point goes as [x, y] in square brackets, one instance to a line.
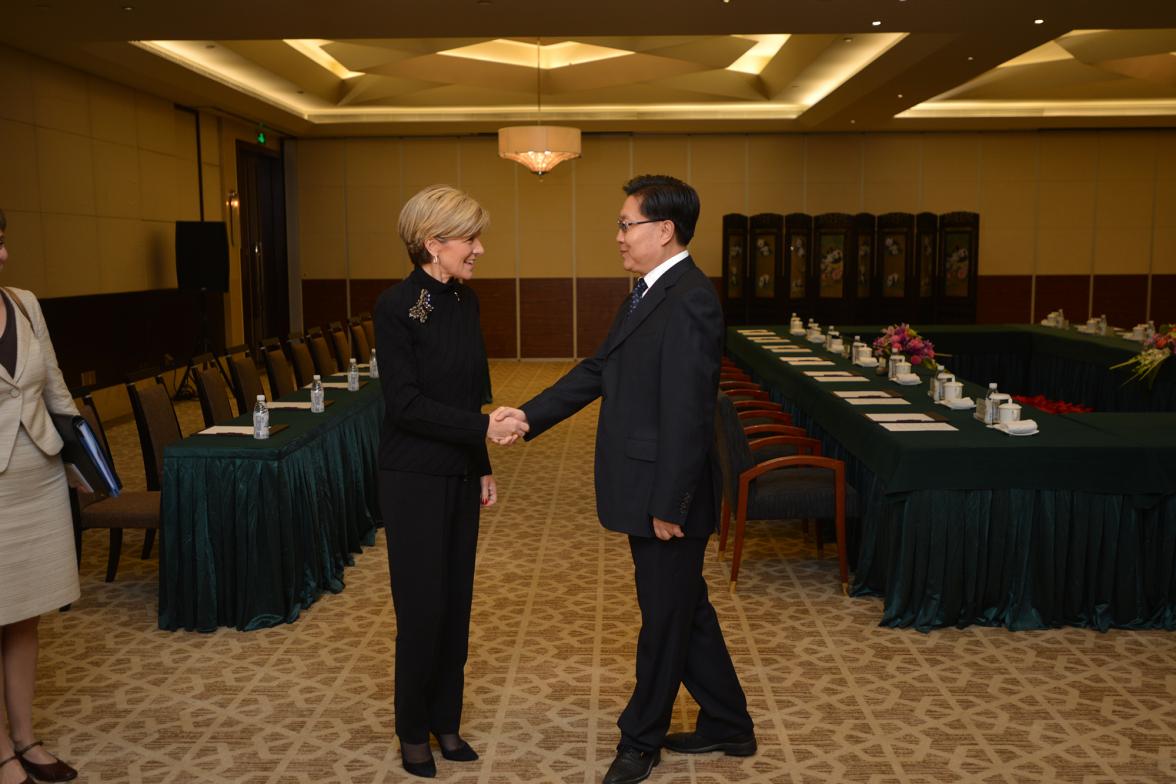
[867, 362]
[907, 378]
[959, 404]
[1021, 426]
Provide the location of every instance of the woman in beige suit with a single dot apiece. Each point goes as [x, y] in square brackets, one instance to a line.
[38, 570]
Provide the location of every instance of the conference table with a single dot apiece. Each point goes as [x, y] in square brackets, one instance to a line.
[254, 531]
[1075, 525]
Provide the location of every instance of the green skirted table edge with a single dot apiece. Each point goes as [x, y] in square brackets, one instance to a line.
[253, 532]
[1007, 548]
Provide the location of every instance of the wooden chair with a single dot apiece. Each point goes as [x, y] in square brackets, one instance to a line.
[301, 360]
[320, 352]
[246, 380]
[281, 375]
[363, 349]
[130, 509]
[801, 486]
[369, 328]
[214, 394]
[341, 344]
[748, 394]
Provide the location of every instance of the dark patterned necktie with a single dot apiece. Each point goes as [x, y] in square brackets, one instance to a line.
[635, 297]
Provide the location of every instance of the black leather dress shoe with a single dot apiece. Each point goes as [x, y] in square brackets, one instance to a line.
[693, 743]
[425, 769]
[462, 752]
[631, 766]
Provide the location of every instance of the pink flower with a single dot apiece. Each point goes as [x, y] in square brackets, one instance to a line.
[916, 359]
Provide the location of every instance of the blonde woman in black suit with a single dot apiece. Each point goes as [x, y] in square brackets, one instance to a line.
[38, 570]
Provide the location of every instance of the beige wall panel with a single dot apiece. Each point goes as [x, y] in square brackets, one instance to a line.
[782, 196]
[1164, 251]
[1165, 203]
[158, 175]
[1166, 155]
[60, 98]
[892, 158]
[499, 237]
[718, 159]
[545, 244]
[834, 159]
[596, 230]
[155, 121]
[428, 162]
[209, 138]
[322, 254]
[480, 164]
[1069, 156]
[71, 264]
[1064, 251]
[1008, 204]
[950, 195]
[376, 254]
[1125, 204]
[116, 180]
[834, 197]
[605, 161]
[1005, 251]
[372, 208]
[16, 85]
[320, 164]
[373, 162]
[66, 168]
[951, 156]
[187, 185]
[121, 256]
[1008, 156]
[214, 199]
[160, 238]
[322, 210]
[661, 155]
[1122, 251]
[718, 199]
[112, 112]
[894, 196]
[775, 158]
[1063, 205]
[25, 240]
[184, 129]
[19, 188]
[1127, 155]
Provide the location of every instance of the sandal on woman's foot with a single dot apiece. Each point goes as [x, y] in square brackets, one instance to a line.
[50, 772]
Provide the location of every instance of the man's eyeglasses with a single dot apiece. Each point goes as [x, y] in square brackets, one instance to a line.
[624, 225]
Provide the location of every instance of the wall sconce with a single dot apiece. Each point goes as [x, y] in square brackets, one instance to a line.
[234, 203]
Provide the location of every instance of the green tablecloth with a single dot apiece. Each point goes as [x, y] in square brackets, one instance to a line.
[1075, 525]
[254, 531]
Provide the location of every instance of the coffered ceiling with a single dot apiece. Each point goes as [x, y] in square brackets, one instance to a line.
[466, 66]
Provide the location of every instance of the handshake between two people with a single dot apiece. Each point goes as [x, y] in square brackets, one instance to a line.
[507, 425]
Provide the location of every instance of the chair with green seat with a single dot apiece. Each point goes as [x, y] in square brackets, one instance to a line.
[797, 487]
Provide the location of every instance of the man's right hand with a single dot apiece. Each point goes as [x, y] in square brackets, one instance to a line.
[507, 425]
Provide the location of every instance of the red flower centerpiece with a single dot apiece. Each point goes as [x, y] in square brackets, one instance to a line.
[903, 339]
[1156, 350]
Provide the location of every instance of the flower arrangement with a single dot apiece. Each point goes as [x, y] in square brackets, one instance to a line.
[1146, 364]
[1042, 403]
[903, 339]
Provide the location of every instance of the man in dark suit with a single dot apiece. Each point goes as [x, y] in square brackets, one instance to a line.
[656, 474]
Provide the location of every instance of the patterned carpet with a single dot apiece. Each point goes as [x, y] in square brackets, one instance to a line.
[835, 698]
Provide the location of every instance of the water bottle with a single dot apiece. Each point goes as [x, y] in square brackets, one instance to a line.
[316, 396]
[990, 405]
[261, 428]
[373, 370]
[353, 376]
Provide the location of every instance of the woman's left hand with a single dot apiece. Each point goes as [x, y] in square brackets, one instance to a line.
[489, 490]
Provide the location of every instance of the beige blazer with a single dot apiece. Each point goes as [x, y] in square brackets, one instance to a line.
[37, 388]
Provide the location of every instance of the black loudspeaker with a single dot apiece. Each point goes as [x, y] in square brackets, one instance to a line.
[202, 255]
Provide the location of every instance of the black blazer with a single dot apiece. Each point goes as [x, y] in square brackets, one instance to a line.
[657, 375]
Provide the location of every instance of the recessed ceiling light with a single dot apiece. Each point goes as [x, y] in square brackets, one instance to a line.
[971, 58]
[128, 8]
[853, 122]
[847, 40]
[877, 23]
[1038, 21]
[900, 95]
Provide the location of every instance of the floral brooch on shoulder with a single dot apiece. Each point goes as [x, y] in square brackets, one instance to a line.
[423, 307]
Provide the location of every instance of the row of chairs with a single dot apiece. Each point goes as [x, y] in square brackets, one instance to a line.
[288, 368]
[774, 470]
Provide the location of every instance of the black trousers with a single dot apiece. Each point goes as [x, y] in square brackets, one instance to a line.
[432, 528]
[680, 643]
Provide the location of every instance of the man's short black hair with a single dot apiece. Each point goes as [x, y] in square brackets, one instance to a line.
[662, 197]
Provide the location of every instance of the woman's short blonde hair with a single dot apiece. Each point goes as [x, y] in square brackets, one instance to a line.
[441, 212]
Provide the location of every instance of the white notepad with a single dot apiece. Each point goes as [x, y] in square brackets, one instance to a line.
[914, 427]
[842, 379]
[819, 373]
[295, 405]
[805, 361]
[914, 417]
[229, 430]
[863, 393]
[754, 331]
[877, 401]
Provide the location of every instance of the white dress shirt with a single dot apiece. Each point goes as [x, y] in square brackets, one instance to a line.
[661, 269]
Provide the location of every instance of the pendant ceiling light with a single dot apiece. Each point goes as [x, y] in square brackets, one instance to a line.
[539, 147]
